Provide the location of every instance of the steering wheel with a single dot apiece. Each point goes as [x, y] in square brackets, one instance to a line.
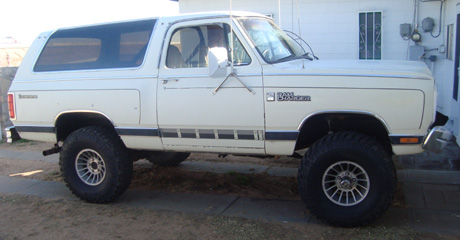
[266, 54]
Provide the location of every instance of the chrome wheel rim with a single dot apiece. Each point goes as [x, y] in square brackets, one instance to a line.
[90, 167]
[346, 183]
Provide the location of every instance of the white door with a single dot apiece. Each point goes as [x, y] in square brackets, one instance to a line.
[191, 115]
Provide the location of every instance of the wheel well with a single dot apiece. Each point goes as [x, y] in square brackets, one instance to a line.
[318, 126]
[69, 122]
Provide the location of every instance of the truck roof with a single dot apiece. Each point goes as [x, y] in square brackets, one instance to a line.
[174, 18]
[219, 14]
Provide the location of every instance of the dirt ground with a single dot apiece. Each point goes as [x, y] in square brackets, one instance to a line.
[173, 179]
[24, 217]
[35, 218]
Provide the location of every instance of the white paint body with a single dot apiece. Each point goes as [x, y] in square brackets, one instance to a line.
[399, 94]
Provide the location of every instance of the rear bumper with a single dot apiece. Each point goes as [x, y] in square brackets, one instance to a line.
[11, 134]
[437, 139]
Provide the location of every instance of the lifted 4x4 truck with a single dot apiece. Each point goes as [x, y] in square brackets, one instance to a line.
[235, 83]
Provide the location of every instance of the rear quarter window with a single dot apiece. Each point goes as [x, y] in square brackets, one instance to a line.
[117, 45]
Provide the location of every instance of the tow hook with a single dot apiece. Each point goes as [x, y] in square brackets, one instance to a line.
[55, 149]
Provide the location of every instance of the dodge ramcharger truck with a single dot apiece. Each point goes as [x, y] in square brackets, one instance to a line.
[228, 83]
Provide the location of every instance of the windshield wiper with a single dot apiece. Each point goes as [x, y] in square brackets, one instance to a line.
[294, 57]
[307, 56]
[287, 58]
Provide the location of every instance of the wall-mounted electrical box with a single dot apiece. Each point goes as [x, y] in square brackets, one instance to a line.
[416, 53]
[428, 24]
[405, 30]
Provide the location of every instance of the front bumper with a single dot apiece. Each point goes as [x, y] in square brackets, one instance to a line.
[437, 139]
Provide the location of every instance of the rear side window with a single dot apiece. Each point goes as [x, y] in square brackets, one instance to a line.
[118, 45]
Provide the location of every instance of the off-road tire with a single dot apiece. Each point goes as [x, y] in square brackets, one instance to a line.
[168, 159]
[107, 148]
[347, 149]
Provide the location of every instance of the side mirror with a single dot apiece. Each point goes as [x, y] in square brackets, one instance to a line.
[218, 61]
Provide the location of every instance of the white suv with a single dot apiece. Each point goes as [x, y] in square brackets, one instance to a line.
[161, 88]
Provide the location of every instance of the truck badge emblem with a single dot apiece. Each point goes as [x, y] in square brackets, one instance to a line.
[290, 96]
[21, 96]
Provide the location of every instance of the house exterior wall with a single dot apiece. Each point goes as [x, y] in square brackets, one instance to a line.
[11, 55]
[331, 27]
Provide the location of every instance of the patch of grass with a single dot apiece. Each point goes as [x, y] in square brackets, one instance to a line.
[231, 182]
[243, 180]
[22, 141]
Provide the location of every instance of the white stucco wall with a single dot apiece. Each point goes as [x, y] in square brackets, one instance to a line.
[331, 26]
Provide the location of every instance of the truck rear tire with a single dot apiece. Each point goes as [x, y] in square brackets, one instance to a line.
[95, 165]
[347, 179]
[168, 159]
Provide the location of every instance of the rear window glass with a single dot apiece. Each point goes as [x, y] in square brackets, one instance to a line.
[118, 45]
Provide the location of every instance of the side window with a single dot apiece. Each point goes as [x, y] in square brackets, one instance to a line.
[133, 46]
[241, 57]
[189, 46]
[117, 45]
[71, 51]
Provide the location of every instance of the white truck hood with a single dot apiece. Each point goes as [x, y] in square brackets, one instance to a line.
[362, 68]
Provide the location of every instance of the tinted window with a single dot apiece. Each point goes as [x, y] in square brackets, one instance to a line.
[118, 45]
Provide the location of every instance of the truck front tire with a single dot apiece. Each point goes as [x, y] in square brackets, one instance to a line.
[95, 165]
[347, 179]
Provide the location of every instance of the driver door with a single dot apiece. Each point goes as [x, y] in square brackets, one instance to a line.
[191, 115]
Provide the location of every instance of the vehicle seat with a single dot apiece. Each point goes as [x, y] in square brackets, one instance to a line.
[174, 58]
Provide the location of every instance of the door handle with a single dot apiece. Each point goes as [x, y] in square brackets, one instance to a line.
[165, 81]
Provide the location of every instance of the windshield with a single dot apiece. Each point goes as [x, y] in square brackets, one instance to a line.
[270, 41]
